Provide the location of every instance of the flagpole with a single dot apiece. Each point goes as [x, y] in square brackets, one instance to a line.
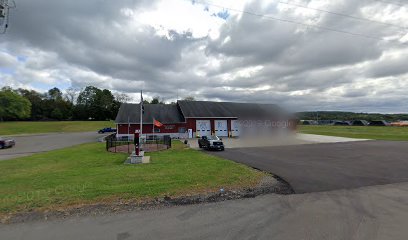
[141, 119]
[153, 130]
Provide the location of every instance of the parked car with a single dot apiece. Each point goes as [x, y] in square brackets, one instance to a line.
[108, 129]
[211, 143]
[6, 142]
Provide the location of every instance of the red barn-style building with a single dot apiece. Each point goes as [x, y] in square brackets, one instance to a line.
[188, 119]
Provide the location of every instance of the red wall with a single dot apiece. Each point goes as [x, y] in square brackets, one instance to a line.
[190, 124]
[148, 128]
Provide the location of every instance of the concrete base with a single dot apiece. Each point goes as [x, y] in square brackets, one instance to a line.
[140, 159]
[134, 159]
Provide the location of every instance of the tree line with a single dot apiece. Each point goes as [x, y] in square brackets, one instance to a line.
[348, 116]
[91, 103]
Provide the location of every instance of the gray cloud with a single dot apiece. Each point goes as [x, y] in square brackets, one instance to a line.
[254, 59]
[390, 66]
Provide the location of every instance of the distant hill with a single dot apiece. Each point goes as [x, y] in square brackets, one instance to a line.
[337, 115]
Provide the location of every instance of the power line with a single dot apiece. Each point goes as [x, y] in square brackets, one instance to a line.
[343, 15]
[301, 23]
[392, 3]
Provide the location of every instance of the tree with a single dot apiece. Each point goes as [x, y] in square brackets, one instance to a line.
[57, 114]
[87, 97]
[71, 94]
[13, 106]
[106, 101]
[87, 105]
[156, 100]
[36, 100]
[97, 104]
[122, 97]
[189, 98]
[55, 94]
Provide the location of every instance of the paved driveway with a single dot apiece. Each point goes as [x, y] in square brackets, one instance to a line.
[30, 144]
[329, 166]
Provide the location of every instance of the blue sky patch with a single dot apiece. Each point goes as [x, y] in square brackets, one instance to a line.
[21, 58]
[8, 71]
[45, 87]
[223, 14]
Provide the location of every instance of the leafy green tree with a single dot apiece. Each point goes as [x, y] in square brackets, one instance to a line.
[156, 100]
[57, 114]
[189, 98]
[55, 94]
[94, 103]
[122, 97]
[13, 106]
[36, 100]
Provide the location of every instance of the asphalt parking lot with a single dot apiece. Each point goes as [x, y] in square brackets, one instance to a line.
[329, 166]
[30, 144]
[282, 140]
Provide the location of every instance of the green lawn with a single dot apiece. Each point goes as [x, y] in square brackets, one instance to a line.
[378, 133]
[15, 128]
[87, 173]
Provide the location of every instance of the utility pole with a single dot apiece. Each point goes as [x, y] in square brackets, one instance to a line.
[5, 7]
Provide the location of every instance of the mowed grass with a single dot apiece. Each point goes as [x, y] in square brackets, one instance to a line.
[88, 174]
[364, 132]
[17, 128]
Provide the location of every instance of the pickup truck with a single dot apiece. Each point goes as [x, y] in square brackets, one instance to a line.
[107, 129]
[211, 143]
[6, 143]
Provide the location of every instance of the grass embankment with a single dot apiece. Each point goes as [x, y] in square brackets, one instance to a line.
[16, 128]
[87, 174]
[364, 132]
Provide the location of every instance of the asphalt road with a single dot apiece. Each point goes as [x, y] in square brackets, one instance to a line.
[329, 166]
[30, 144]
[369, 213]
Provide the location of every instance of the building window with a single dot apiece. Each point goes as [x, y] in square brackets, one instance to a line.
[156, 130]
[182, 130]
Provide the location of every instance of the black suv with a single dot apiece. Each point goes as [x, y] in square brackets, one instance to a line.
[211, 143]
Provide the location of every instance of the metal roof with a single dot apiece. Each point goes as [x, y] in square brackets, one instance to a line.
[167, 113]
[164, 113]
[204, 109]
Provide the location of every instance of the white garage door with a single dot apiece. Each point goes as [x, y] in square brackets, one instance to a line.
[221, 128]
[203, 127]
[235, 128]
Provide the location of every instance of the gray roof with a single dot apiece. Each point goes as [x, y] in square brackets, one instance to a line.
[164, 113]
[204, 109]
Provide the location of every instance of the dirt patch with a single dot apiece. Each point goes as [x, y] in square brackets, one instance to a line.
[268, 184]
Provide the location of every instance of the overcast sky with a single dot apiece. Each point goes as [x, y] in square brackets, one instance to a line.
[213, 51]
